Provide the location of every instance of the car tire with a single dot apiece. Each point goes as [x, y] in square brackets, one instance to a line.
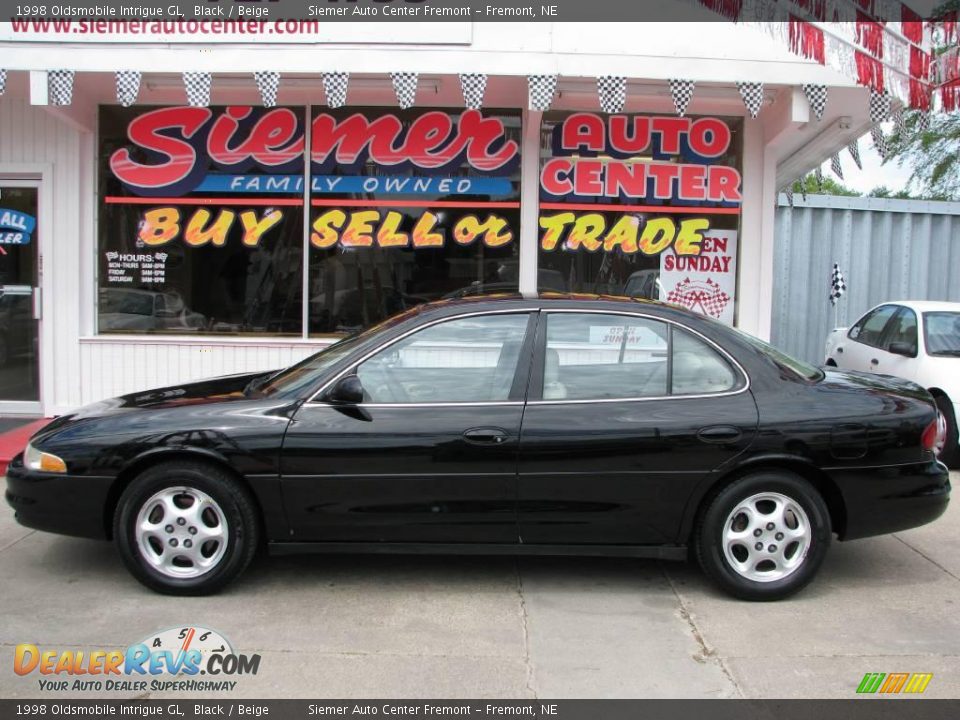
[186, 528]
[733, 537]
[950, 456]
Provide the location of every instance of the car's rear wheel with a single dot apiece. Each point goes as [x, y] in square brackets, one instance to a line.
[764, 536]
[948, 452]
[186, 528]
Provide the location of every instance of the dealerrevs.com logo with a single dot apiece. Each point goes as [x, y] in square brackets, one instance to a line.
[190, 659]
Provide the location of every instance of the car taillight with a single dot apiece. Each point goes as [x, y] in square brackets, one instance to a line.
[934, 434]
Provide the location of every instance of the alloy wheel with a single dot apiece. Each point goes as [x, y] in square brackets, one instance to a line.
[766, 537]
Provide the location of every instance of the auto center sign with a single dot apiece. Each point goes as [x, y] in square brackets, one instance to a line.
[614, 182]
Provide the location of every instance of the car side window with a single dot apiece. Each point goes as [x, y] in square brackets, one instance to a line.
[869, 329]
[597, 356]
[698, 369]
[466, 360]
[904, 329]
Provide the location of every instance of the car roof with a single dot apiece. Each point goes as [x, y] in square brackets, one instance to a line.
[926, 305]
[543, 299]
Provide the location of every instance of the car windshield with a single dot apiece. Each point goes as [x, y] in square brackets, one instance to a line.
[798, 367]
[302, 375]
[941, 331]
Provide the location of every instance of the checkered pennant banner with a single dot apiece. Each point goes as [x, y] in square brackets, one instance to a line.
[3, 81]
[879, 141]
[540, 90]
[268, 83]
[900, 122]
[473, 85]
[838, 286]
[854, 149]
[197, 85]
[613, 92]
[60, 86]
[788, 191]
[752, 94]
[405, 88]
[923, 121]
[335, 88]
[835, 165]
[681, 91]
[817, 97]
[818, 176]
[128, 86]
[879, 106]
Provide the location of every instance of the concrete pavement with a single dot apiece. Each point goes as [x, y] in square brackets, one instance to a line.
[508, 628]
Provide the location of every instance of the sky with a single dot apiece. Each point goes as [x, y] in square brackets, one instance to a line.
[874, 174]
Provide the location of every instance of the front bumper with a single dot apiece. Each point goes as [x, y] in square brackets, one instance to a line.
[889, 499]
[64, 504]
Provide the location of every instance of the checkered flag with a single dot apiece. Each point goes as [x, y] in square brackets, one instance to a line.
[60, 86]
[817, 97]
[335, 88]
[541, 89]
[879, 141]
[128, 86]
[197, 85]
[405, 88]
[818, 176]
[854, 148]
[752, 94]
[835, 165]
[268, 83]
[3, 81]
[923, 121]
[838, 286]
[681, 91]
[788, 191]
[613, 92]
[473, 85]
[879, 106]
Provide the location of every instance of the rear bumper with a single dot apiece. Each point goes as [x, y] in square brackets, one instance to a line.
[64, 504]
[890, 499]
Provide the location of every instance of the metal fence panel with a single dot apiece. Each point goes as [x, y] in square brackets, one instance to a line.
[887, 250]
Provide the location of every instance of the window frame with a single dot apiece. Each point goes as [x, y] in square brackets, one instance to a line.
[535, 392]
[522, 370]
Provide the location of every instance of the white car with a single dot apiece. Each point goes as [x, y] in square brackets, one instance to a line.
[916, 340]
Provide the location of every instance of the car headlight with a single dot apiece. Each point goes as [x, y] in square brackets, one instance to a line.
[44, 461]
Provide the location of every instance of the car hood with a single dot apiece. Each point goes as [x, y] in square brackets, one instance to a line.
[226, 389]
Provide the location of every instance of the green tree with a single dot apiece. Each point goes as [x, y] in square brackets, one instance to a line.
[808, 184]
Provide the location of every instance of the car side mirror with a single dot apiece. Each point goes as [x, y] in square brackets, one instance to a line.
[903, 348]
[347, 391]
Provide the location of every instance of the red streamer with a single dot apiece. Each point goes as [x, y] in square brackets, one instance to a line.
[869, 71]
[869, 34]
[919, 95]
[807, 40]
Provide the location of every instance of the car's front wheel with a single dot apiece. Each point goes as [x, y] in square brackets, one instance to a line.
[764, 536]
[186, 528]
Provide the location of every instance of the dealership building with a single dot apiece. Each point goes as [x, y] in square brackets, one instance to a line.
[178, 203]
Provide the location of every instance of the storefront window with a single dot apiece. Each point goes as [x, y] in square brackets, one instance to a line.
[201, 216]
[641, 205]
[201, 220]
[408, 207]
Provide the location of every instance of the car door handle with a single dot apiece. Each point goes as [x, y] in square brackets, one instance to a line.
[719, 434]
[486, 436]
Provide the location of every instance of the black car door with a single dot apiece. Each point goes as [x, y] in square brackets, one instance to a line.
[430, 454]
[626, 414]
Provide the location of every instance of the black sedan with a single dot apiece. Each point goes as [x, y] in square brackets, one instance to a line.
[550, 425]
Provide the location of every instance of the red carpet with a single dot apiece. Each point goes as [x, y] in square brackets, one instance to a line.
[13, 441]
